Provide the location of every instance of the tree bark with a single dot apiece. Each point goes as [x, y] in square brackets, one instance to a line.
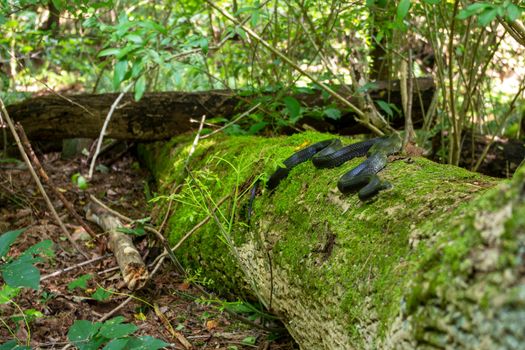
[160, 116]
[434, 263]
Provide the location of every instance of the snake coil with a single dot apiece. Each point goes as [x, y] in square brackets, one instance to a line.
[331, 153]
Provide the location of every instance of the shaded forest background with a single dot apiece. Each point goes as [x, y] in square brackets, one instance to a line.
[474, 52]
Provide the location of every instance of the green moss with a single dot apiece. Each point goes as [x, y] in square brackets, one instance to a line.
[379, 246]
[474, 267]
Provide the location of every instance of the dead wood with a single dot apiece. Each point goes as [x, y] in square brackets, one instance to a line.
[161, 115]
[129, 260]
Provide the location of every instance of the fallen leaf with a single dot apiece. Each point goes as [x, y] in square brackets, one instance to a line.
[211, 324]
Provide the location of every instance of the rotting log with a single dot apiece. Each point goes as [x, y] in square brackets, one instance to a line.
[434, 263]
[159, 116]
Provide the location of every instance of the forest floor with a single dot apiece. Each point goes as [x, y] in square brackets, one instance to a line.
[184, 312]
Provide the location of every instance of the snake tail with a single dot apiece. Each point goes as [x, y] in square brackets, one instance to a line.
[297, 158]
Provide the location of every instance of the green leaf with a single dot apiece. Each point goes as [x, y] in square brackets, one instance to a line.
[21, 274]
[293, 107]
[143, 220]
[44, 247]
[120, 72]
[332, 113]
[7, 239]
[249, 340]
[254, 18]
[82, 331]
[13, 345]
[10, 345]
[146, 343]
[123, 53]
[33, 314]
[90, 22]
[112, 331]
[137, 68]
[500, 11]
[402, 9]
[203, 44]
[472, 10]
[235, 130]
[513, 12]
[59, 4]
[385, 107]
[487, 16]
[140, 87]
[80, 181]
[117, 344]
[478, 7]
[101, 294]
[241, 33]
[80, 282]
[109, 52]
[135, 38]
[29, 315]
[155, 57]
[255, 128]
[138, 231]
[432, 2]
[8, 293]
[153, 26]
[239, 307]
[115, 320]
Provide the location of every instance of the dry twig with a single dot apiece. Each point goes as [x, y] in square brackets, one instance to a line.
[104, 128]
[232, 122]
[46, 179]
[179, 336]
[37, 180]
[76, 266]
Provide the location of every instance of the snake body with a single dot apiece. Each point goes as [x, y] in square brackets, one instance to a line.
[331, 153]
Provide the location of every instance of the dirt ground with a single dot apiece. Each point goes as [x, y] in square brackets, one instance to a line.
[184, 311]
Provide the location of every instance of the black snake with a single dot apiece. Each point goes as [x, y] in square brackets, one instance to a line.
[331, 153]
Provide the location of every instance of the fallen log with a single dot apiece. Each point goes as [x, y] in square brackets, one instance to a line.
[159, 116]
[434, 263]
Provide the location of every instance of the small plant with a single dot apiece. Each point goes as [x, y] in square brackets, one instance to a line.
[19, 273]
[79, 181]
[196, 277]
[114, 334]
[80, 282]
[137, 228]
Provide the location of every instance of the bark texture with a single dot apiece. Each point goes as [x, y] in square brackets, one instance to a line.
[132, 267]
[434, 263]
[159, 116]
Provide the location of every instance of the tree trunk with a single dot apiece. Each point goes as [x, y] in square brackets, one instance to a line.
[434, 263]
[162, 115]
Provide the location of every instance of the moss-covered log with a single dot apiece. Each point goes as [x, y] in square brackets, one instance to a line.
[434, 263]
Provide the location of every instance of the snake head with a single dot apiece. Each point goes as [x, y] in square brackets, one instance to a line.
[387, 145]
